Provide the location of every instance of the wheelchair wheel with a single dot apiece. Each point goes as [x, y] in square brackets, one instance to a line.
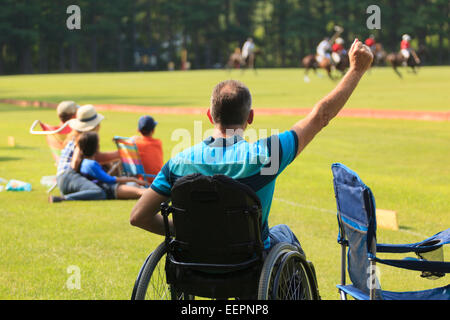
[291, 281]
[151, 283]
[286, 275]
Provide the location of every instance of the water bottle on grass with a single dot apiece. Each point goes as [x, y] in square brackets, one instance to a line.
[16, 185]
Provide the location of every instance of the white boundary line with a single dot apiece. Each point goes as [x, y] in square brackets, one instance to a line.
[299, 205]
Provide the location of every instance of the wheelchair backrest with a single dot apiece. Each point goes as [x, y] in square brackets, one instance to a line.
[217, 220]
[357, 223]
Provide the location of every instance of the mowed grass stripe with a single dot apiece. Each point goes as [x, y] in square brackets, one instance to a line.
[271, 88]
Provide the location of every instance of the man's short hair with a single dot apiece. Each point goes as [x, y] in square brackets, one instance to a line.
[231, 103]
[146, 125]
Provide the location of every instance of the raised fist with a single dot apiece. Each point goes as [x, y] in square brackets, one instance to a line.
[361, 56]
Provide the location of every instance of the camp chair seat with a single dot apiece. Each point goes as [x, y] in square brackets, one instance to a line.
[431, 294]
[131, 161]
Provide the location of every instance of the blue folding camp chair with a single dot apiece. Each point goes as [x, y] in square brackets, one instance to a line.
[357, 231]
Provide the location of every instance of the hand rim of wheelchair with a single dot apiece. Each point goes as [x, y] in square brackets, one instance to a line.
[291, 285]
[279, 256]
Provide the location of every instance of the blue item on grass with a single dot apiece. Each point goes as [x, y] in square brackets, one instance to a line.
[16, 185]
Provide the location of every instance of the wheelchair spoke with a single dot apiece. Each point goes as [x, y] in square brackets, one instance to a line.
[158, 283]
[153, 284]
[293, 283]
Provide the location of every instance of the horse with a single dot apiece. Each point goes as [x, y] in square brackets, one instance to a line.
[396, 60]
[379, 55]
[235, 60]
[343, 64]
[310, 62]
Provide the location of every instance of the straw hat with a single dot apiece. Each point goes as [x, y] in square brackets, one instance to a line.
[87, 119]
[67, 107]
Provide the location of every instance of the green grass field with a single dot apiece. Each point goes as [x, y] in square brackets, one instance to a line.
[405, 162]
[272, 88]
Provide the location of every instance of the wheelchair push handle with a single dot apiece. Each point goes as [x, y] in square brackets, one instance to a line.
[165, 211]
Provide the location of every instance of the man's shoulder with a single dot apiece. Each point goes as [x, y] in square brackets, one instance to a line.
[188, 153]
[287, 134]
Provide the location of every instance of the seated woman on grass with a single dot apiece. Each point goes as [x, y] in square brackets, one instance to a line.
[72, 184]
[114, 187]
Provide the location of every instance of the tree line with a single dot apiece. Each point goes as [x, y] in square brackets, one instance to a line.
[118, 35]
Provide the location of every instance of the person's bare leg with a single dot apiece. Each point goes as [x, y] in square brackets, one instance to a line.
[124, 191]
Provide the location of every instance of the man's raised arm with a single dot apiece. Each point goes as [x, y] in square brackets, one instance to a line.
[326, 109]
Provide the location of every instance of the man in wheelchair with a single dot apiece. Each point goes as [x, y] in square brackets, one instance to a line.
[255, 165]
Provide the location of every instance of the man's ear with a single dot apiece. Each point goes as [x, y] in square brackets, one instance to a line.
[210, 116]
[250, 117]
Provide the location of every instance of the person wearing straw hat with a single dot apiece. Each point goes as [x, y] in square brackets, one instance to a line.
[74, 186]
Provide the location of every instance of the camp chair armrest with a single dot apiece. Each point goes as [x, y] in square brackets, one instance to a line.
[36, 122]
[429, 244]
[416, 264]
[395, 248]
[33, 125]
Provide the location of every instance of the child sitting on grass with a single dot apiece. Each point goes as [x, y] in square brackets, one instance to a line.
[115, 187]
[150, 149]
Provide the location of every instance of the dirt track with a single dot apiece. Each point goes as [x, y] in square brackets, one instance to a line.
[353, 113]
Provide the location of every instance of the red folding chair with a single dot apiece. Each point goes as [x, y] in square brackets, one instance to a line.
[55, 136]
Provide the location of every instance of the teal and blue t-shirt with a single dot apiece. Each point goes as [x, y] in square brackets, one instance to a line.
[256, 164]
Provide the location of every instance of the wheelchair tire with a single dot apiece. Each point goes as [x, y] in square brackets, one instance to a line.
[286, 275]
[291, 282]
[153, 277]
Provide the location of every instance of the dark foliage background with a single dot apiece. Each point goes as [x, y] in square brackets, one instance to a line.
[119, 35]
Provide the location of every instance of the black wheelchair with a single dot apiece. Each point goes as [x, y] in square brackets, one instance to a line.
[218, 253]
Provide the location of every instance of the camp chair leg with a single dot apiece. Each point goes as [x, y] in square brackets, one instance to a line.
[343, 269]
[372, 279]
[344, 245]
[52, 187]
[115, 169]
